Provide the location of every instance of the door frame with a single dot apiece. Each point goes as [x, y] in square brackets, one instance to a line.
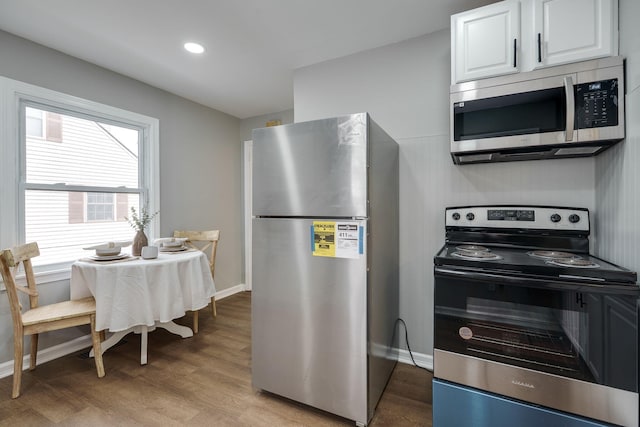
[248, 191]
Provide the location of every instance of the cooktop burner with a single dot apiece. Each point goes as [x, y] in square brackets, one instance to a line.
[552, 255]
[475, 248]
[476, 255]
[573, 262]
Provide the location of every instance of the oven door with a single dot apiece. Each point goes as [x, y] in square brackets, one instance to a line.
[565, 345]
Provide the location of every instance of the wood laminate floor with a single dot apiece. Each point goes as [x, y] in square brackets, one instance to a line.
[199, 381]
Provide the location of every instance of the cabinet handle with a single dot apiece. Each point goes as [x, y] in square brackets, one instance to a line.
[515, 52]
[579, 300]
[539, 49]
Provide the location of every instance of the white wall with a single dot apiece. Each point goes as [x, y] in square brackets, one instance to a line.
[405, 88]
[617, 170]
[200, 157]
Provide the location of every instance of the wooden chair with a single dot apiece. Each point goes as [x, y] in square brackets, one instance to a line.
[40, 318]
[203, 241]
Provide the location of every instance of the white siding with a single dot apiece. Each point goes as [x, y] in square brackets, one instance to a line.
[86, 156]
[89, 156]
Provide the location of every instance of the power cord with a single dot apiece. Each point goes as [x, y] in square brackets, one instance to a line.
[406, 338]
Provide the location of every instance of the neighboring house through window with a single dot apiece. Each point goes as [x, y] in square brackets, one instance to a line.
[82, 166]
[42, 124]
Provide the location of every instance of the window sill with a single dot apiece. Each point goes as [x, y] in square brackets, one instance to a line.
[55, 275]
[59, 274]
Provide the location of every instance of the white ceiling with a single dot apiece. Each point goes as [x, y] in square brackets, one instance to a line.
[252, 46]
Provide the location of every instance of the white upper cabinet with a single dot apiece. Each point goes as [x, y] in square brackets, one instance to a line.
[574, 30]
[485, 41]
[522, 35]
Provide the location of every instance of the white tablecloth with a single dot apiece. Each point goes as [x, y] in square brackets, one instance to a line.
[141, 292]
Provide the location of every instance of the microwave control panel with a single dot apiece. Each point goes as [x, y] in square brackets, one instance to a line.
[596, 104]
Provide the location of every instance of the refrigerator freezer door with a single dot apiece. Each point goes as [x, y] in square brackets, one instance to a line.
[309, 322]
[311, 169]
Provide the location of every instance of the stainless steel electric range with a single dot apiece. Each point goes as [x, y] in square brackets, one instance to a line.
[530, 329]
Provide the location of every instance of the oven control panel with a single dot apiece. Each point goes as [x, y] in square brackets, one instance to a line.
[511, 215]
[525, 217]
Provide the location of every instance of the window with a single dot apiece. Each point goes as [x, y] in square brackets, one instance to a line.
[99, 207]
[34, 122]
[92, 155]
[41, 124]
[73, 168]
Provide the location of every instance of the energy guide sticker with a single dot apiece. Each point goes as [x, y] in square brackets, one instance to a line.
[324, 238]
[337, 239]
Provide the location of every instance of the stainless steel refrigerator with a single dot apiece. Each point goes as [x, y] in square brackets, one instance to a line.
[325, 263]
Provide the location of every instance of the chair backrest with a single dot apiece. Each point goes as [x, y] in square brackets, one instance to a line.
[11, 259]
[205, 241]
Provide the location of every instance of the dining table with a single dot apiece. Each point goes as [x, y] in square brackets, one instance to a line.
[139, 295]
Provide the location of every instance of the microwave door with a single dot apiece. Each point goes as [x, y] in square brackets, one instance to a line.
[531, 113]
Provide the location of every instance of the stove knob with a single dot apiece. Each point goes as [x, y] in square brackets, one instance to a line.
[555, 218]
[573, 218]
[470, 216]
[455, 216]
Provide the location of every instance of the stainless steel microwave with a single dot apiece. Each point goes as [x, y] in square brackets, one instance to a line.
[573, 110]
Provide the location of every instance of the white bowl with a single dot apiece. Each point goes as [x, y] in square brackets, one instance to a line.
[173, 244]
[108, 251]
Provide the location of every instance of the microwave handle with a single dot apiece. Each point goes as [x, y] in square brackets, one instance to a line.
[571, 108]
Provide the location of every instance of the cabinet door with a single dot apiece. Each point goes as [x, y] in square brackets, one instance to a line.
[620, 343]
[574, 30]
[485, 42]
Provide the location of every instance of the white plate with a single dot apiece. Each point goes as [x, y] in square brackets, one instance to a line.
[172, 249]
[109, 257]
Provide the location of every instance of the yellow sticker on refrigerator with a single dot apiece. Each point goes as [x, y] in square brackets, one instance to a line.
[324, 238]
[337, 239]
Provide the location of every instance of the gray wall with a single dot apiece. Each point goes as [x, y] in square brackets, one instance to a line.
[200, 157]
[405, 88]
[617, 170]
[248, 125]
[246, 128]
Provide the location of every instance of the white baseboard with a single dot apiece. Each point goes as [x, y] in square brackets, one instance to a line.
[422, 360]
[76, 344]
[402, 356]
[48, 354]
[230, 291]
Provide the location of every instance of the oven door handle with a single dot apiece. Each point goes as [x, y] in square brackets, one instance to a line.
[532, 282]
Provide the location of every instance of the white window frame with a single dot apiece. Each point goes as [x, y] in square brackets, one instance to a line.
[13, 96]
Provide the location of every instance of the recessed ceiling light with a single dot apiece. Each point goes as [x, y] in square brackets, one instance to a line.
[194, 47]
